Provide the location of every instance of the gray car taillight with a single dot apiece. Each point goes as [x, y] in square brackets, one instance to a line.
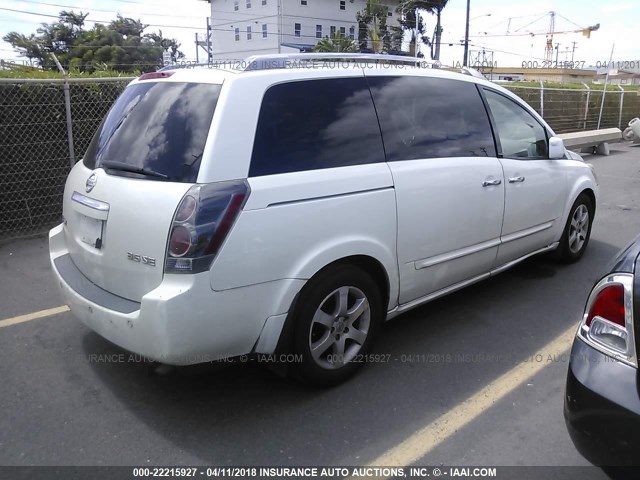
[607, 324]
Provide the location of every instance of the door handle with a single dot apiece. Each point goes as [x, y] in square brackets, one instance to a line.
[491, 183]
[516, 180]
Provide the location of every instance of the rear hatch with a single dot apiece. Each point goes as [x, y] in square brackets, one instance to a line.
[119, 202]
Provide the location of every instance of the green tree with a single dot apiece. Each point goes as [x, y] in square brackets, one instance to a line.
[434, 7]
[121, 45]
[27, 46]
[336, 44]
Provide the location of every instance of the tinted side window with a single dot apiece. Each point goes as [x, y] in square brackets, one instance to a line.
[431, 117]
[314, 124]
[520, 134]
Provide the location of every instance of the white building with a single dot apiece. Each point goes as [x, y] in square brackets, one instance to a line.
[240, 28]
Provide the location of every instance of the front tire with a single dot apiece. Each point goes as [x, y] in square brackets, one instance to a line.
[577, 231]
[335, 319]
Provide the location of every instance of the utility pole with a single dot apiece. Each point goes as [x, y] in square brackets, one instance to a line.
[606, 82]
[466, 36]
[209, 53]
[438, 35]
[280, 16]
[417, 32]
[204, 44]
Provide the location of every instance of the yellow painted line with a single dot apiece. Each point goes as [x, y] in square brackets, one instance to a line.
[426, 439]
[33, 316]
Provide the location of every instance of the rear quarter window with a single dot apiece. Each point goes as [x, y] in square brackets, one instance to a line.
[160, 126]
[316, 124]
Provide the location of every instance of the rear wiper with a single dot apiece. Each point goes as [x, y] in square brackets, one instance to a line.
[125, 167]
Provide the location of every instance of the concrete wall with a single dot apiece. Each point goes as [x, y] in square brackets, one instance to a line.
[562, 75]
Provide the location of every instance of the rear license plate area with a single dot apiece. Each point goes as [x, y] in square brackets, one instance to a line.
[90, 231]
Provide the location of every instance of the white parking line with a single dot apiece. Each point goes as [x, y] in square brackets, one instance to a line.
[32, 316]
[426, 439]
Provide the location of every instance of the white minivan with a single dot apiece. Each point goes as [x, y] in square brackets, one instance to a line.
[292, 206]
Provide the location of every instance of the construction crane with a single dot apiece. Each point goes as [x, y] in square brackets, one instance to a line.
[551, 31]
[548, 51]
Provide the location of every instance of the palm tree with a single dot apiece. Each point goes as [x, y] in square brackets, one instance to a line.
[372, 27]
[408, 7]
[437, 7]
[335, 44]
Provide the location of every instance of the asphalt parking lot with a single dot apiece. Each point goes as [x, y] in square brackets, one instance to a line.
[68, 398]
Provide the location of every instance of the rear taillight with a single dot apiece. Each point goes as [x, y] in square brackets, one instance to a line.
[179, 241]
[609, 305]
[607, 324]
[201, 223]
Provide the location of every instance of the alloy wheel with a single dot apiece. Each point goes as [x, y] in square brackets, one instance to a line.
[579, 228]
[339, 327]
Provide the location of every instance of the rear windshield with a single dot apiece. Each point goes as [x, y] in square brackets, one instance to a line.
[158, 127]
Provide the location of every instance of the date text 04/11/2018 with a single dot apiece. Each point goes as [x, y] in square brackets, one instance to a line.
[579, 64]
[619, 64]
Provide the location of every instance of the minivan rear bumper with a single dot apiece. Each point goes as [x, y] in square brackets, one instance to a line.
[182, 321]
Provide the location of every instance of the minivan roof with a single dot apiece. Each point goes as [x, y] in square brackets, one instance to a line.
[337, 61]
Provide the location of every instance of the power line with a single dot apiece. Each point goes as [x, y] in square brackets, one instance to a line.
[107, 11]
[258, 33]
[28, 13]
[100, 21]
[226, 21]
[573, 23]
[109, 21]
[248, 14]
[531, 23]
[530, 34]
[488, 47]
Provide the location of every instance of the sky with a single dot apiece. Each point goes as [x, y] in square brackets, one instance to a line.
[501, 26]
[618, 19]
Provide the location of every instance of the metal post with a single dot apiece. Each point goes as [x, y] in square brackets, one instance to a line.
[541, 99]
[466, 36]
[606, 82]
[67, 108]
[417, 27]
[621, 104]
[586, 107]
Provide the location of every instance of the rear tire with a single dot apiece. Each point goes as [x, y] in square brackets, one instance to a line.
[577, 230]
[336, 317]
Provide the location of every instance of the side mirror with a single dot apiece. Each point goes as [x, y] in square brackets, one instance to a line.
[556, 148]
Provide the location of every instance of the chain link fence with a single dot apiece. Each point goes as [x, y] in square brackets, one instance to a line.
[37, 147]
[573, 110]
